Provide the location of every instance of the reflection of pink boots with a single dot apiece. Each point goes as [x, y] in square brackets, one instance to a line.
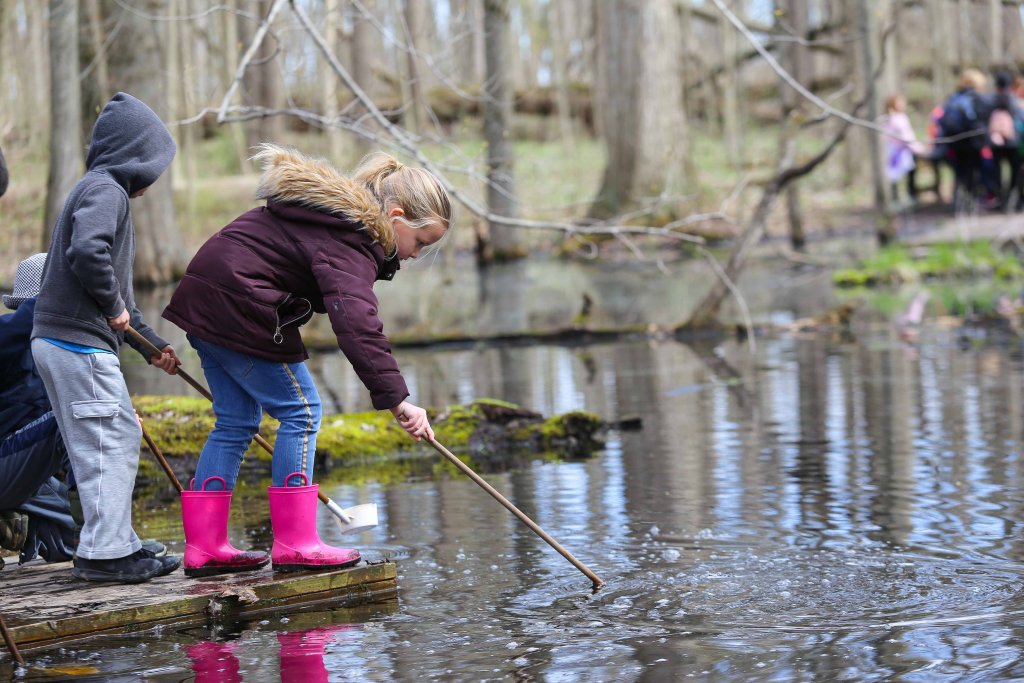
[302, 653]
[204, 516]
[297, 544]
[214, 662]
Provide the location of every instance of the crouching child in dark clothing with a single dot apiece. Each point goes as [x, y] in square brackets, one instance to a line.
[35, 509]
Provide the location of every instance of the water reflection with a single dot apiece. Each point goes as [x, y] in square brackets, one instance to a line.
[301, 655]
[828, 510]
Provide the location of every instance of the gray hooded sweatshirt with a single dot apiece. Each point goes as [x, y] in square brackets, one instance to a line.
[88, 275]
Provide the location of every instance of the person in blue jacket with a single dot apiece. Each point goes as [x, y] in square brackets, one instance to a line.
[35, 476]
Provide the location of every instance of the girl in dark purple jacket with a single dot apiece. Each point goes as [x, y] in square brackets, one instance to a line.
[318, 246]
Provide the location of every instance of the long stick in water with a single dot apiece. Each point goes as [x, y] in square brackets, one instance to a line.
[517, 512]
[149, 346]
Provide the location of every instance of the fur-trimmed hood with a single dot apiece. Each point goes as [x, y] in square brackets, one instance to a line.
[294, 178]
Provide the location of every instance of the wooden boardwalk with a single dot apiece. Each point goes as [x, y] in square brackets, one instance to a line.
[44, 605]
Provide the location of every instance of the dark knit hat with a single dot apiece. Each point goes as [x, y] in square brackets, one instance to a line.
[27, 281]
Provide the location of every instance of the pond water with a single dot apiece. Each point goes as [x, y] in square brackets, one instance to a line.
[826, 509]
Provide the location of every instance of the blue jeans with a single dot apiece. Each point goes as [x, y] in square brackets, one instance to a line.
[243, 386]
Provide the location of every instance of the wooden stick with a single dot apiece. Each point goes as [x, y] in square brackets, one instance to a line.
[160, 457]
[517, 512]
[10, 643]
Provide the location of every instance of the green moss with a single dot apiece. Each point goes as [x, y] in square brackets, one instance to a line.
[372, 446]
[554, 431]
[897, 264]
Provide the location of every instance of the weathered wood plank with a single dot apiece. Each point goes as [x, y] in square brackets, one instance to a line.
[43, 604]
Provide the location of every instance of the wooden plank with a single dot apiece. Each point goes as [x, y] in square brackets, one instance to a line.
[43, 604]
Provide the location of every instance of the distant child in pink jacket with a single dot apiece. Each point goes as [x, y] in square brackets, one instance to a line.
[901, 145]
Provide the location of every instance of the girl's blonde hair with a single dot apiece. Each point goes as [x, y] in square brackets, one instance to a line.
[417, 191]
[972, 78]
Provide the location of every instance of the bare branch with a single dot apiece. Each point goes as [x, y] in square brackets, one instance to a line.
[807, 94]
[257, 40]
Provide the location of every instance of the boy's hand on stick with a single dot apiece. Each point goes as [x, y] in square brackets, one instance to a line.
[167, 361]
[413, 420]
[120, 323]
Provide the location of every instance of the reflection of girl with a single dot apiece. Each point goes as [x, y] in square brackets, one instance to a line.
[900, 145]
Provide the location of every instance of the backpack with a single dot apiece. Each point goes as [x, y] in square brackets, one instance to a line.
[1002, 129]
[960, 115]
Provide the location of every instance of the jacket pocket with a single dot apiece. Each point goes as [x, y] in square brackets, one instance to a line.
[87, 409]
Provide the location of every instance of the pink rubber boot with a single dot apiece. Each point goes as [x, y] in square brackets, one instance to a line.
[204, 516]
[297, 544]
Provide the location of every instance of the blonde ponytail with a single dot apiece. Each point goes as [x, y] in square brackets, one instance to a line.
[418, 192]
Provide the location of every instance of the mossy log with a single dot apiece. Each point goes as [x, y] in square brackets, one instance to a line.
[486, 432]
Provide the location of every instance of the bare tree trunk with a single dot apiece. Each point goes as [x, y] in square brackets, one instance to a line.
[889, 13]
[262, 80]
[560, 20]
[730, 91]
[363, 50]
[963, 34]
[328, 80]
[230, 25]
[941, 49]
[797, 61]
[685, 66]
[853, 66]
[37, 86]
[181, 76]
[415, 21]
[885, 230]
[646, 131]
[503, 242]
[96, 34]
[600, 96]
[995, 17]
[140, 52]
[65, 108]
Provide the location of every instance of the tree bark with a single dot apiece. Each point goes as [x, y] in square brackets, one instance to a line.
[797, 61]
[730, 102]
[416, 25]
[560, 20]
[646, 129]
[364, 47]
[65, 111]
[96, 35]
[996, 57]
[139, 52]
[941, 49]
[263, 86]
[885, 231]
[328, 80]
[232, 54]
[504, 243]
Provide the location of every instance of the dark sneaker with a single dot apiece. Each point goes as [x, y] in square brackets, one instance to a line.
[168, 562]
[13, 529]
[156, 547]
[134, 568]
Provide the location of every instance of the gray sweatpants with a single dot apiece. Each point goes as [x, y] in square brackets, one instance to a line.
[94, 413]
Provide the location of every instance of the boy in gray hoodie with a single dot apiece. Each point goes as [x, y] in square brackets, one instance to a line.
[84, 307]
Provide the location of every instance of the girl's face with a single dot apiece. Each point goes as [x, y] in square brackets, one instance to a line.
[411, 240]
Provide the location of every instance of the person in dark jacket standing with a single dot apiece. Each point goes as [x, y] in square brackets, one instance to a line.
[318, 245]
[85, 305]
